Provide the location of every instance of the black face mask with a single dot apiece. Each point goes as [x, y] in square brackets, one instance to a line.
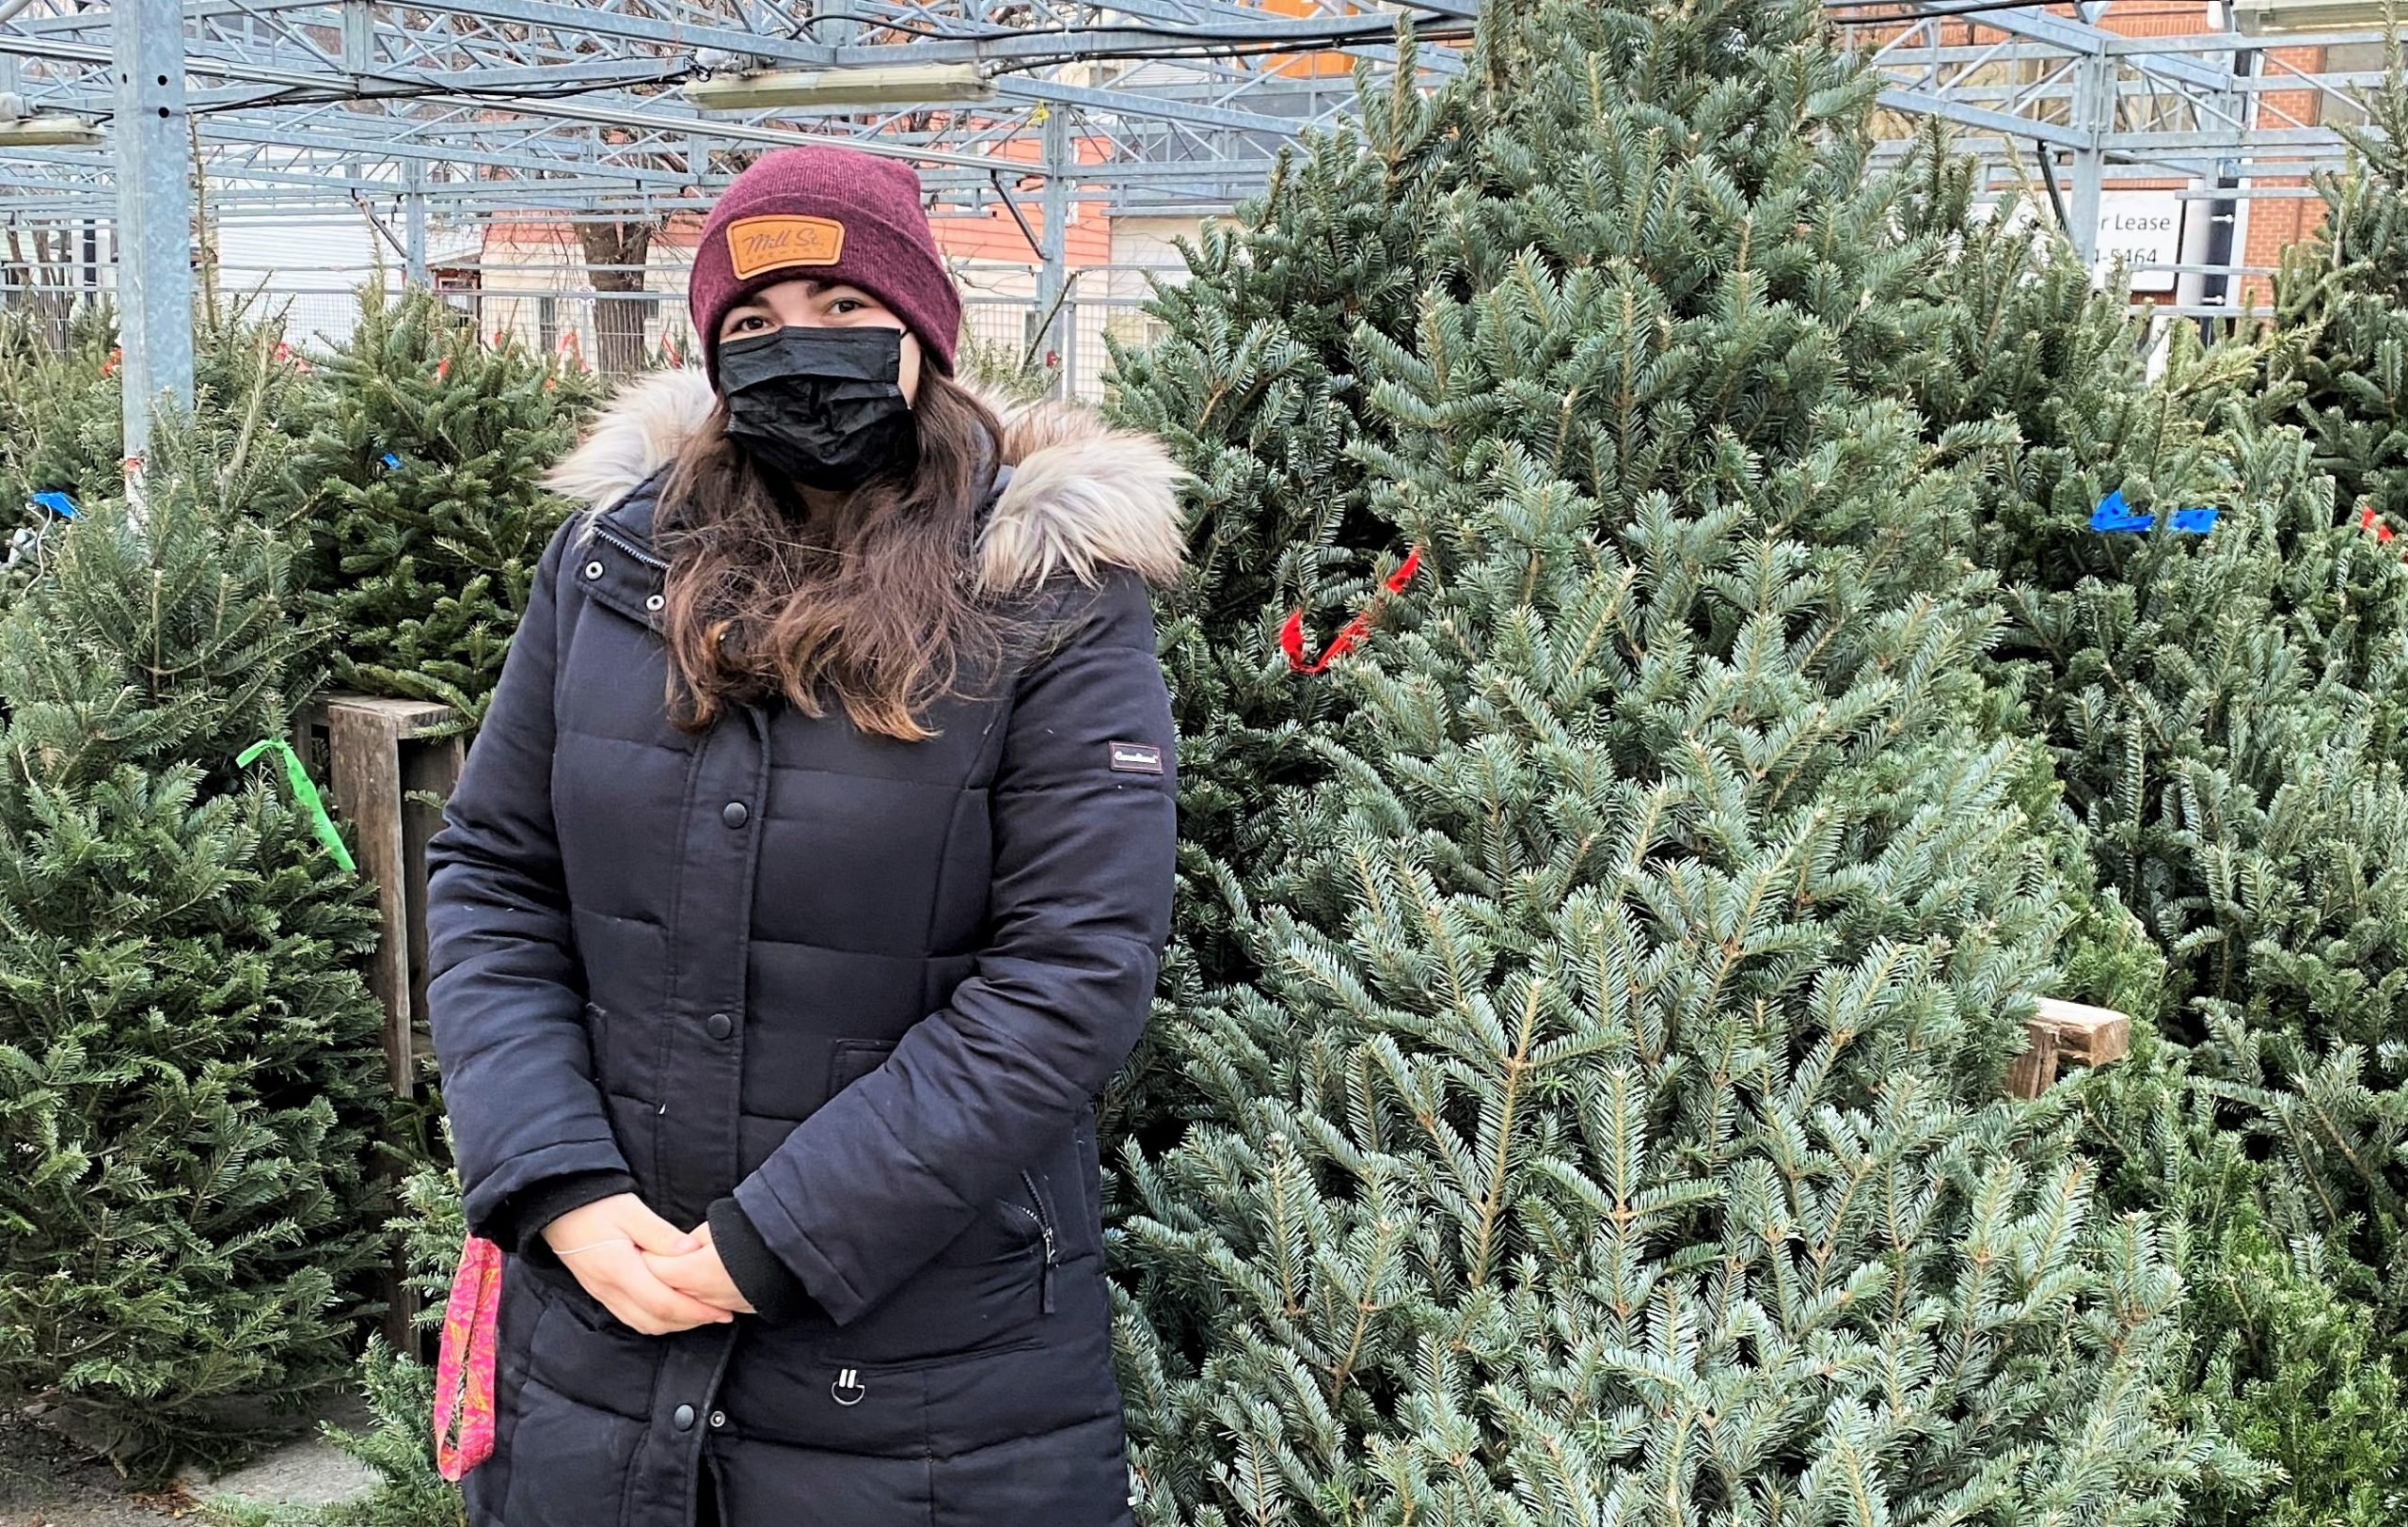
[819, 406]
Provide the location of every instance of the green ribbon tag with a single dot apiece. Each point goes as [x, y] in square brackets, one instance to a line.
[305, 792]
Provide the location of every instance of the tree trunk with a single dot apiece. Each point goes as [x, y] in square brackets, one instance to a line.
[614, 258]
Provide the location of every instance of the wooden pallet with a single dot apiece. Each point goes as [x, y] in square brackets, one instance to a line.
[2066, 1031]
[378, 753]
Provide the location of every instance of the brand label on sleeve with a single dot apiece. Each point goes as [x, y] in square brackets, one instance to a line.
[1136, 759]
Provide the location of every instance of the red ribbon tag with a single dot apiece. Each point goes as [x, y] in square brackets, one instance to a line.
[1292, 631]
[2370, 521]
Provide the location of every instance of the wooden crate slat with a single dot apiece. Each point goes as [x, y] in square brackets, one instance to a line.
[2066, 1031]
[406, 718]
[2034, 1070]
[2093, 1036]
[429, 769]
[367, 784]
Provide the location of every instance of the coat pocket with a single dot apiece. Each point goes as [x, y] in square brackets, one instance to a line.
[635, 1123]
[850, 1060]
[1020, 1230]
[583, 1352]
[597, 1044]
[571, 1462]
[1039, 1212]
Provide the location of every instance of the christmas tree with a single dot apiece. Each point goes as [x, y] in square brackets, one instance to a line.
[426, 448]
[399, 1389]
[1612, 1131]
[62, 437]
[60, 425]
[1255, 389]
[1259, 386]
[190, 1071]
[2223, 703]
[2238, 793]
[2341, 299]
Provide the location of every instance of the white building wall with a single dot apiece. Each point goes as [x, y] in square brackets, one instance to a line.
[311, 267]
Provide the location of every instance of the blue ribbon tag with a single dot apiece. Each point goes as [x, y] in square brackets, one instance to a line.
[57, 503]
[2113, 517]
[392, 463]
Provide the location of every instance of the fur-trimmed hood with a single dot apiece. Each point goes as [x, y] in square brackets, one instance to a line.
[1082, 495]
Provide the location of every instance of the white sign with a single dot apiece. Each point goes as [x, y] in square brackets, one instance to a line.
[2140, 229]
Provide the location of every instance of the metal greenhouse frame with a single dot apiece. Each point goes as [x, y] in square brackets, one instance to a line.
[573, 110]
[112, 110]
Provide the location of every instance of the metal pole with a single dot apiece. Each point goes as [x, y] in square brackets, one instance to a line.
[154, 213]
[2190, 286]
[2094, 105]
[2205, 223]
[414, 225]
[2226, 246]
[1053, 255]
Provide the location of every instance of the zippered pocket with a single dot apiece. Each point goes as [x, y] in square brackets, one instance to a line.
[1041, 1214]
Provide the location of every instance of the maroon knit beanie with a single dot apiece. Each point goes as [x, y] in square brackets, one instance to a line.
[825, 215]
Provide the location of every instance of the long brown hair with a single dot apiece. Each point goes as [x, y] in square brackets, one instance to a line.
[875, 605]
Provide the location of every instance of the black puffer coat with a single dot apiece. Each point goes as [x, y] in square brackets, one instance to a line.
[869, 988]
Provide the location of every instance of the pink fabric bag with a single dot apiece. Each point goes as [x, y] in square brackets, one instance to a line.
[463, 1370]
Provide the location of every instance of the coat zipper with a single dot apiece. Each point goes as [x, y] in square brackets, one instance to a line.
[629, 548]
[1043, 1220]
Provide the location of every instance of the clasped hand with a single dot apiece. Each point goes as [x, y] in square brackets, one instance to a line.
[652, 1275]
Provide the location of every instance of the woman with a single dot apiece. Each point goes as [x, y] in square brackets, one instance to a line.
[806, 882]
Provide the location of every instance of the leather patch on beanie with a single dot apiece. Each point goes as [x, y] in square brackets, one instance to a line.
[758, 244]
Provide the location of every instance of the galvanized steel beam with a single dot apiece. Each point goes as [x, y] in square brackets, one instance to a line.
[154, 215]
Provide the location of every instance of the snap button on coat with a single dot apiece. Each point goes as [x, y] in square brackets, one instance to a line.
[939, 953]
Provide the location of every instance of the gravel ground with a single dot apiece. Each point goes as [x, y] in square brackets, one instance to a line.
[47, 1481]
